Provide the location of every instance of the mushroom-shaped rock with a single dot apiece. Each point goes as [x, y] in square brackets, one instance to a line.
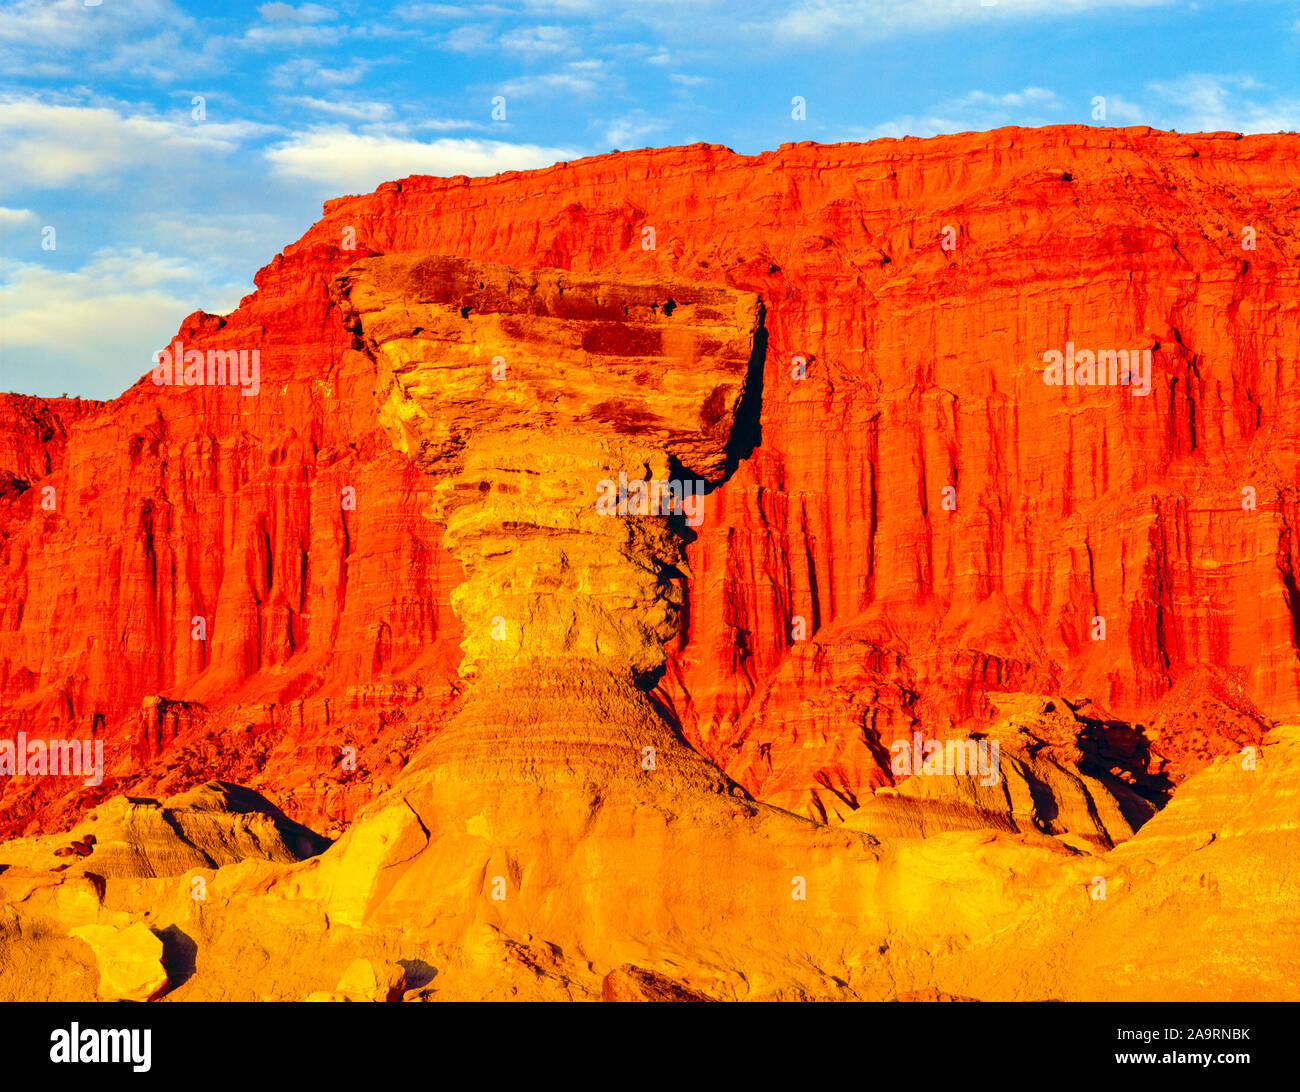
[573, 423]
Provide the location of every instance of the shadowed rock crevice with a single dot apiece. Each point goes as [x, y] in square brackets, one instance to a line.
[747, 432]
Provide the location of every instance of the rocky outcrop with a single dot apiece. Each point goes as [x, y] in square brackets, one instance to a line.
[94, 913]
[34, 436]
[207, 827]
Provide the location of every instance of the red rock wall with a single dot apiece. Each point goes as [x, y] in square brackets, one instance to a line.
[923, 371]
[33, 436]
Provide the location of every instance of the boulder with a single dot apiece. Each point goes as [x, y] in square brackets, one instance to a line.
[129, 959]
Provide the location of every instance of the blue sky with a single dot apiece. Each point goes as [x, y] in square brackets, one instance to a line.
[157, 212]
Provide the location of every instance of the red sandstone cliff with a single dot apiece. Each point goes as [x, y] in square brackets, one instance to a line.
[328, 626]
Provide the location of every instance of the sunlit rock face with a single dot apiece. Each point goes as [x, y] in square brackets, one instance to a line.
[539, 401]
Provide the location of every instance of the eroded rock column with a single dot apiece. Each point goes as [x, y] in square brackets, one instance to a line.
[533, 397]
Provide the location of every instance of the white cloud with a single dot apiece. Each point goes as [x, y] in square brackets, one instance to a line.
[10, 218]
[1191, 103]
[292, 36]
[342, 161]
[1119, 111]
[51, 38]
[230, 244]
[307, 73]
[1201, 102]
[306, 13]
[830, 20]
[605, 7]
[577, 78]
[783, 23]
[536, 41]
[53, 144]
[371, 114]
[443, 125]
[59, 23]
[1030, 96]
[1208, 103]
[912, 125]
[419, 12]
[628, 132]
[90, 331]
[353, 111]
[468, 39]
[1029, 106]
[286, 26]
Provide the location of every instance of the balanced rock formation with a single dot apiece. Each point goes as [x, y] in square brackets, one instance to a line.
[540, 401]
